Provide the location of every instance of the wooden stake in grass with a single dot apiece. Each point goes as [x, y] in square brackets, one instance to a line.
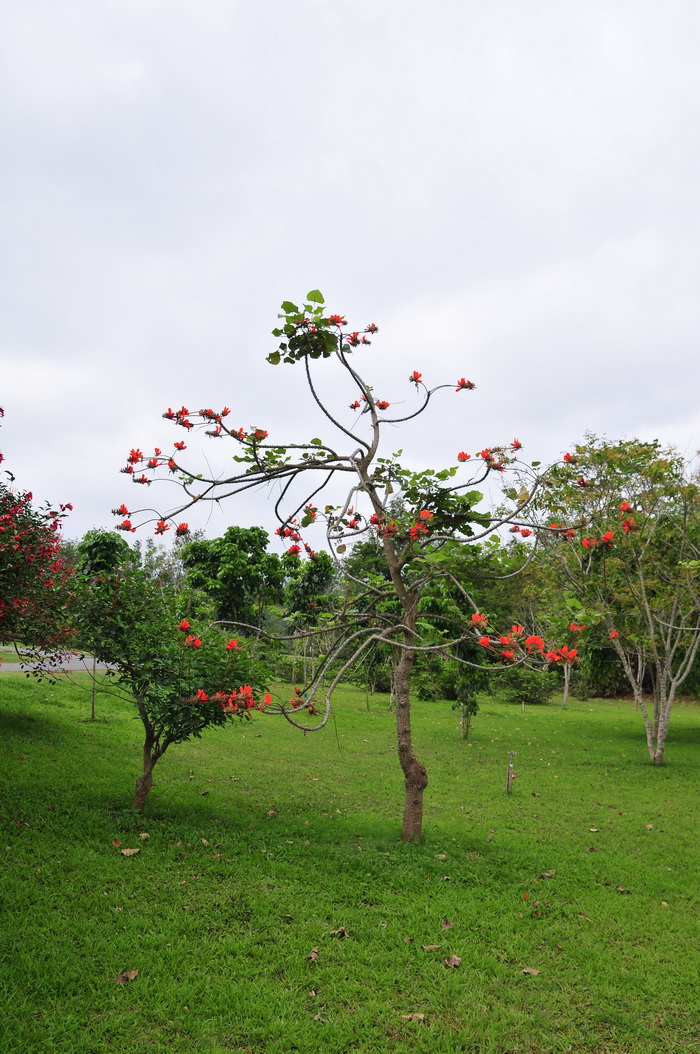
[511, 772]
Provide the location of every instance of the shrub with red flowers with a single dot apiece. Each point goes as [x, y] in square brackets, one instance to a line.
[33, 575]
[183, 674]
[419, 520]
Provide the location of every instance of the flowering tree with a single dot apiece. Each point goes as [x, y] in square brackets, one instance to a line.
[32, 574]
[181, 680]
[422, 542]
[630, 559]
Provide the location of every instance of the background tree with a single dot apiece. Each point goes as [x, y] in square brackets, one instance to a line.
[627, 550]
[439, 514]
[181, 681]
[237, 572]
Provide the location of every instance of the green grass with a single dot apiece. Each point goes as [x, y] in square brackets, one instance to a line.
[224, 903]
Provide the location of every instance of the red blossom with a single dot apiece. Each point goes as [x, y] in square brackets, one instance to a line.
[125, 525]
[576, 628]
[356, 405]
[294, 549]
[134, 457]
[608, 538]
[462, 456]
[525, 532]
[478, 619]
[624, 506]
[180, 445]
[382, 404]
[426, 514]
[202, 696]
[353, 339]
[415, 377]
[534, 643]
[192, 642]
[232, 644]
[336, 320]
[485, 642]
[628, 525]
[181, 530]
[184, 625]
[613, 635]
[259, 434]
[371, 328]
[570, 459]
[516, 445]
[161, 527]
[517, 629]
[463, 383]
[508, 655]
[121, 511]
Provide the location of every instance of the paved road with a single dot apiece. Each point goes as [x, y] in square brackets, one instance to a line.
[76, 664]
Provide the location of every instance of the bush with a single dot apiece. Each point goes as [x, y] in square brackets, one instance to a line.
[524, 685]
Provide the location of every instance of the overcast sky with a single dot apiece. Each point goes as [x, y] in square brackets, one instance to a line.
[508, 189]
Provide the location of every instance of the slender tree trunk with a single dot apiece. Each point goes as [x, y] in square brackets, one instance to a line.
[465, 720]
[415, 776]
[567, 682]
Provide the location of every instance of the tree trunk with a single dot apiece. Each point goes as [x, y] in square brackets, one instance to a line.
[567, 682]
[415, 776]
[151, 754]
[465, 720]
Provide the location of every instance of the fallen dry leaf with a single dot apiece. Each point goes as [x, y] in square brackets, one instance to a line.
[408, 940]
[650, 827]
[548, 874]
[144, 835]
[130, 852]
[620, 889]
[430, 947]
[413, 1017]
[204, 841]
[490, 835]
[446, 878]
[441, 856]
[319, 1017]
[314, 778]
[594, 830]
[313, 955]
[531, 971]
[116, 843]
[271, 813]
[340, 932]
[126, 975]
[664, 903]
[452, 960]
[446, 924]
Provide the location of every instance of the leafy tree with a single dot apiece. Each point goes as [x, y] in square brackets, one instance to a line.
[237, 572]
[628, 551]
[180, 680]
[426, 541]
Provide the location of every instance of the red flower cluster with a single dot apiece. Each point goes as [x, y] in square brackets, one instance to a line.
[463, 383]
[462, 456]
[415, 377]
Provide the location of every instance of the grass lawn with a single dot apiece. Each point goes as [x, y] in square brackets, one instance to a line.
[258, 842]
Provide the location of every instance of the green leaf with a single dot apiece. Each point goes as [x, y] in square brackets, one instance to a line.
[316, 442]
[340, 548]
[315, 296]
[273, 358]
[289, 308]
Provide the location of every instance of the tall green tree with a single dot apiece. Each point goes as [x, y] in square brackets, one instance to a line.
[237, 572]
